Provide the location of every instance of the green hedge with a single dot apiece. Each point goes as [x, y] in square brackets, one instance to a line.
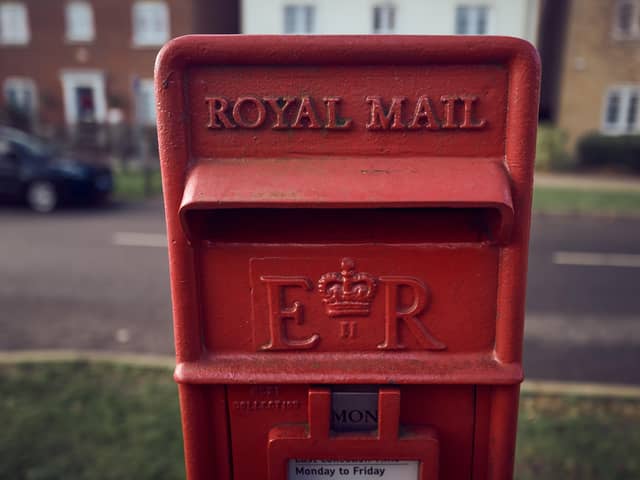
[551, 149]
[622, 152]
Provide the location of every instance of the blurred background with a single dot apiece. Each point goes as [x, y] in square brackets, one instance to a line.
[83, 262]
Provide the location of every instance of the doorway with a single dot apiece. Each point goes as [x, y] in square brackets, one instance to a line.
[84, 96]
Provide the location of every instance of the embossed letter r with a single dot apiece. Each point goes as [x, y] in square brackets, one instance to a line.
[394, 312]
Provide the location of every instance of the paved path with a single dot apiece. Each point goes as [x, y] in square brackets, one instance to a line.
[98, 280]
[65, 284]
[618, 183]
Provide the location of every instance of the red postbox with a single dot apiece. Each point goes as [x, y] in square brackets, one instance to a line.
[348, 221]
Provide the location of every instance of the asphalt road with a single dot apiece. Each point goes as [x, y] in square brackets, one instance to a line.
[87, 279]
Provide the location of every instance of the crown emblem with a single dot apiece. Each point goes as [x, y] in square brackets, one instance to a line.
[347, 293]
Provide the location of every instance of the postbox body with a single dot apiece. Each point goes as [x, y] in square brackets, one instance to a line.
[348, 228]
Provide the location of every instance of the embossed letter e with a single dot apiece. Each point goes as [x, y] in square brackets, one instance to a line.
[394, 312]
[279, 313]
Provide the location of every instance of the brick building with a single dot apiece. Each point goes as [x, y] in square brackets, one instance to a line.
[68, 63]
[591, 66]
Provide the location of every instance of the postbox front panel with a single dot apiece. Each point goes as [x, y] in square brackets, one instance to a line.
[348, 227]
[362, 290]
[255, 410]
[363, 298]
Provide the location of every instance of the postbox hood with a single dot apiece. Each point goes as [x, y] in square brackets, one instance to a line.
[351, 182]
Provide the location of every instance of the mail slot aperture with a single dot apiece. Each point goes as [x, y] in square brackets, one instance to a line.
[349, 225]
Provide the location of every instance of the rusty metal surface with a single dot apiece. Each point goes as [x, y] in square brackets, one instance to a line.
[348, 210]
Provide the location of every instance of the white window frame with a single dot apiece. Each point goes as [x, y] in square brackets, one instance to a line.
[22, 85]
[387, 15]
[94, 79]
[634, 31]
[150, 37]
[143, 89]
[304, 21]
[15, 16]
[620, 126]
[473, 11]
[79, 12]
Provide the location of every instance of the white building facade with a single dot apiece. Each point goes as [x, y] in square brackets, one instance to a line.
[518, 18]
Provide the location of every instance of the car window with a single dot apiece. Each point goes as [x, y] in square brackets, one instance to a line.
[31, 146]
[5, 147]
[8, 161]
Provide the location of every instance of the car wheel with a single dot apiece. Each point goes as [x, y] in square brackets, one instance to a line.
[42, 196]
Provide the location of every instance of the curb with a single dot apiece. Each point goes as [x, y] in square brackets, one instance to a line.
[578, 389]
[63, 356]
[536, 387]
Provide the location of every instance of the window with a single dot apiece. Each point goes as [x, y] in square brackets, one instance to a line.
[626, 19]
[14, 26]
[299, 19]
[79, 20]
[150, 23]
[473, 20]
[20, 95]
[384, 19]
[620, 114]
[145, 101]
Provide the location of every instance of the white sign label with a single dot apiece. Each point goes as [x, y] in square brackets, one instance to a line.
[353, 470]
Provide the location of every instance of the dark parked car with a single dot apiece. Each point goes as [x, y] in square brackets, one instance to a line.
[31, 172]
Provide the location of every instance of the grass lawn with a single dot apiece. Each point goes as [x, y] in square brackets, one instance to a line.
[99, 421]
[88, 421]
[576, 200]
[578, 438]
[131, 185]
